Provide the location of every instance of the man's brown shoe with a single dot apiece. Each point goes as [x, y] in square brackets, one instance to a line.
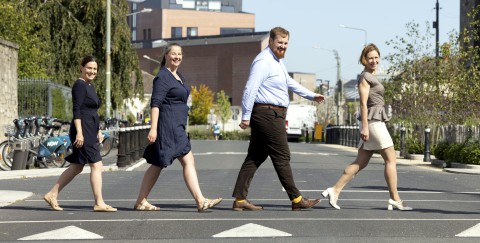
[304, 204]
[245, 205]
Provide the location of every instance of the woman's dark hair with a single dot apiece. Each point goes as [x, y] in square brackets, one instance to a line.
[86, 59]
[167, 50]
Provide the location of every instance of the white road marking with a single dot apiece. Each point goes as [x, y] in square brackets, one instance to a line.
[131, 168]
[66, 233]
[250, 231]
[471, 232]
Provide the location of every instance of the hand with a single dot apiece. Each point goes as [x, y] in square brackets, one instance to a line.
[244, 124]
[152, 136]
[100, 137]
[319, 98]
[78, 141]
[364, 134]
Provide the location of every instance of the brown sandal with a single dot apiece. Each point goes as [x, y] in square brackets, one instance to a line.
[145, 206]
[209, 203]
[52, 202]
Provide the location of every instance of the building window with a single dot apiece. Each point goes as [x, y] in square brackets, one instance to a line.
[176, 32]
[149, 35]
[230, 31]
[192, 31]
[144, 34]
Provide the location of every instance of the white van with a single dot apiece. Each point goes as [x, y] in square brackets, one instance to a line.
[299, 118]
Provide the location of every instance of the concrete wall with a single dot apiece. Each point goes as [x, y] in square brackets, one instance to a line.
[8, 82]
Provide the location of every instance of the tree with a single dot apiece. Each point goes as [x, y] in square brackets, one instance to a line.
[202, 102]
[419, 83]
[223, 105]
[55, 34]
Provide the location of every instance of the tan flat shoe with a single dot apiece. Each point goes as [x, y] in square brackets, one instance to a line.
[52, 202]
[209, 203]
[106, 208]
[145, 206]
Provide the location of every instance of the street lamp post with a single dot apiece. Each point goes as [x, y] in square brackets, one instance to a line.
[354, 28]
[151, 59]
[337, 57]
[108, 73]
[145, 10]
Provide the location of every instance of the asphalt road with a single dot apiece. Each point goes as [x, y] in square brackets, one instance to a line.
[446, 206]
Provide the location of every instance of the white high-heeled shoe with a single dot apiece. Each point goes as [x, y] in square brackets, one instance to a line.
[398, 204]
[332, 197]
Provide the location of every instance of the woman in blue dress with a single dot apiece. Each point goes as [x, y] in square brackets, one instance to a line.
[167, 137]
[86, 135]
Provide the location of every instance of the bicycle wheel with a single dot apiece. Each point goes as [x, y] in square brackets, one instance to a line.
[58, 160]
[106, 147]
[7, 155]
[67, 152]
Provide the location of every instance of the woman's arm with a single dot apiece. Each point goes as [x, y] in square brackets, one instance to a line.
[363, 90]
[152, 134]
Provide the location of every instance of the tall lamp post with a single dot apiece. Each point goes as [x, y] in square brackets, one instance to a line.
[337, 57]
[108, 73]
[354, 28]
[151, 59]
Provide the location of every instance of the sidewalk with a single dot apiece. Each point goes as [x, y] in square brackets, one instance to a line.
[8, 197]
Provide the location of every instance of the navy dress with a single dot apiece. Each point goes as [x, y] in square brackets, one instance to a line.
[85, 106]
[170, 96]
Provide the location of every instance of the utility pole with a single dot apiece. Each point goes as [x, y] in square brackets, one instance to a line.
[436, 26]
[339, 84]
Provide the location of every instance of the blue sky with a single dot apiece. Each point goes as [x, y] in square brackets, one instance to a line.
[316, 22]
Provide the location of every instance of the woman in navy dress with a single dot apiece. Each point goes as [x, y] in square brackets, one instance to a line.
[86, 135]
[167, 137]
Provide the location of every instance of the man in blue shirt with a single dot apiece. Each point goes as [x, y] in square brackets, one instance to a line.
[264, 103]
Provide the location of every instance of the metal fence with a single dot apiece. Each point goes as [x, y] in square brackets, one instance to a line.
[39, 97]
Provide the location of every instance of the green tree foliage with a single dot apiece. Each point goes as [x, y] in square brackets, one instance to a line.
[428, 90]
[61, 107]
[202, 102]
[55, 34]
[223, 105]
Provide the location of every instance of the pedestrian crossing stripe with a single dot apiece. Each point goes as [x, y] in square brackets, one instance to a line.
[471, 232]
[66, 233]
[251, 230]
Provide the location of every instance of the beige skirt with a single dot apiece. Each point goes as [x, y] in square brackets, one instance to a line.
[379, 138]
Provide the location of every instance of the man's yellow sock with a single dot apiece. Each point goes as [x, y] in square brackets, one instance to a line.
[297, 199]
[239, 200]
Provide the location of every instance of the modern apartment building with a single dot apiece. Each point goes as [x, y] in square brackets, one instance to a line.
[188, 18]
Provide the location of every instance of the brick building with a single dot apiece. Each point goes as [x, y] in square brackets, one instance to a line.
[188, 18]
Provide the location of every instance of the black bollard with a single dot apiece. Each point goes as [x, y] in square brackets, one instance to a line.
[306, 135]
[135, 143]
[426, 154]
[402, 141]
[121, 158]
[128, 145]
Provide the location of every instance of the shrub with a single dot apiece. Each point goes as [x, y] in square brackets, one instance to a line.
[200, 134]
[440, 149]
[236, 135]
[470, 154]
[414, 146]
[452, 153]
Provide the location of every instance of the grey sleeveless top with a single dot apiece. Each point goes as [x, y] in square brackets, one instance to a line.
[375, 101]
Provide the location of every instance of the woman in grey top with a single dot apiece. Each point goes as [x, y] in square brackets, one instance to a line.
[374, 135]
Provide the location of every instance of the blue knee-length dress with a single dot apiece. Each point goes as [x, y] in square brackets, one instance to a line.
[170, 96]
[85, 105]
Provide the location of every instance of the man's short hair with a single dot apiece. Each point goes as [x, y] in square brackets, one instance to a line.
[278, 31]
